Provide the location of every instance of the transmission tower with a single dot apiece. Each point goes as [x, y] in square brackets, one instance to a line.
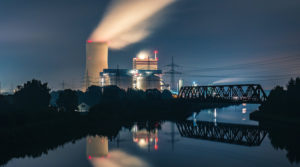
[63, 85]
[172, 72]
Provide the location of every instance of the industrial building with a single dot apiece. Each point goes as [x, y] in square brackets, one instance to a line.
[130, 78]
[144, 74]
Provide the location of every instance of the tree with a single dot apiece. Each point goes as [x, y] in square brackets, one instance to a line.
[166, 94]
[92, 95]
[67, 100]
[113, 93]
[32, 96]
[3, 103]
[276, 101]
[153, 94]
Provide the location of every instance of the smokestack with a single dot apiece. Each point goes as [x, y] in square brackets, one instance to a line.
[96, 61]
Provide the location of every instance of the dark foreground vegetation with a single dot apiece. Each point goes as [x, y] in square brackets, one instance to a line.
[282, 104]
[280, 115]
[30, 125]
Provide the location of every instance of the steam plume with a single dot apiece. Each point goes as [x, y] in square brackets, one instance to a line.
[228, 80]
[128, 21]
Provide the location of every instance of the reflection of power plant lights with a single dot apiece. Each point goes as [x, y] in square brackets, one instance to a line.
[215, 117]
[244, 110]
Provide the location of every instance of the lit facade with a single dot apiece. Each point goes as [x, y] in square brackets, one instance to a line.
[142, 63]
[126, 78]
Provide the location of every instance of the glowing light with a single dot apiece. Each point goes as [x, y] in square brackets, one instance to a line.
[142, 143]
[90, 157]
[89, 41]
[155, 147]
[133, 71]
[215, 113]
[244, 110]
[156, 51]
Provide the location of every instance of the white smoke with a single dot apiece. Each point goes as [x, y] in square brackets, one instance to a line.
[143, 54]
[228, 80]
[128, 21]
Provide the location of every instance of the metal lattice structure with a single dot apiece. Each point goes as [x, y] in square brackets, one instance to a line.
[247, 135]
[249, 93]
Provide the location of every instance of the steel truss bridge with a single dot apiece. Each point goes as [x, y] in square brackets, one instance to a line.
[247, 135]
[243, 93]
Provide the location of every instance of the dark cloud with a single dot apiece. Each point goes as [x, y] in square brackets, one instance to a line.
[46, 39]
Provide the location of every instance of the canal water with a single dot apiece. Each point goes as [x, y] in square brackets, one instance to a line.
[202, 140]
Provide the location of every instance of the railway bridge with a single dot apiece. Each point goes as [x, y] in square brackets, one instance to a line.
[242, 93]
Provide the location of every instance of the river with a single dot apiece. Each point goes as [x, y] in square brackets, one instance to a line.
[212, 137]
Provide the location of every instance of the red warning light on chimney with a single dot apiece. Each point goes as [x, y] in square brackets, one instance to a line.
[156, 51]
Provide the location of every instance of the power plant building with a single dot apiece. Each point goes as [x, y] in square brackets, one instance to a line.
[145, 63]
[144, 75]
[129, 78]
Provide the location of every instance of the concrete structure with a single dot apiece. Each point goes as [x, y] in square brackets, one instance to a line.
[125, 78]
[120, 77]
[147, 79]
[96, 61]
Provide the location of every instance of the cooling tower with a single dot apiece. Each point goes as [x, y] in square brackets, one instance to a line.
[96, 61]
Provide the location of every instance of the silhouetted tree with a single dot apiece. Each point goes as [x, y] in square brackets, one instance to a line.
[153, 94]
[293, 91]
[92, 95]
[135, 94]
[67, 100]
[32, 96]
[113, 93]
[283, 101]
[166, 94]
[3, 103]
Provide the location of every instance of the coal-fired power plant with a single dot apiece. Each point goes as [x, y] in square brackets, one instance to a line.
[122, 26]
[96, 61]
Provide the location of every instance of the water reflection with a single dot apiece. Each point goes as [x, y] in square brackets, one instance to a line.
[99, 155]
[96, 147]
[144, 137]
[222, 132]
[247, 135]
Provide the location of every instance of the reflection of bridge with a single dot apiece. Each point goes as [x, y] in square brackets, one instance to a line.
[248, 135]
[249, 93]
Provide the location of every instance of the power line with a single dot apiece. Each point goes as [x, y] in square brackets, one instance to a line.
[172, 72]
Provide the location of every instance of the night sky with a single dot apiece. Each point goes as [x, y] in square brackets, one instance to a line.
[213, 42]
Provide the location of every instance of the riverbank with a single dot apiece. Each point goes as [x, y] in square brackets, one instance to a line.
[279, 118]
